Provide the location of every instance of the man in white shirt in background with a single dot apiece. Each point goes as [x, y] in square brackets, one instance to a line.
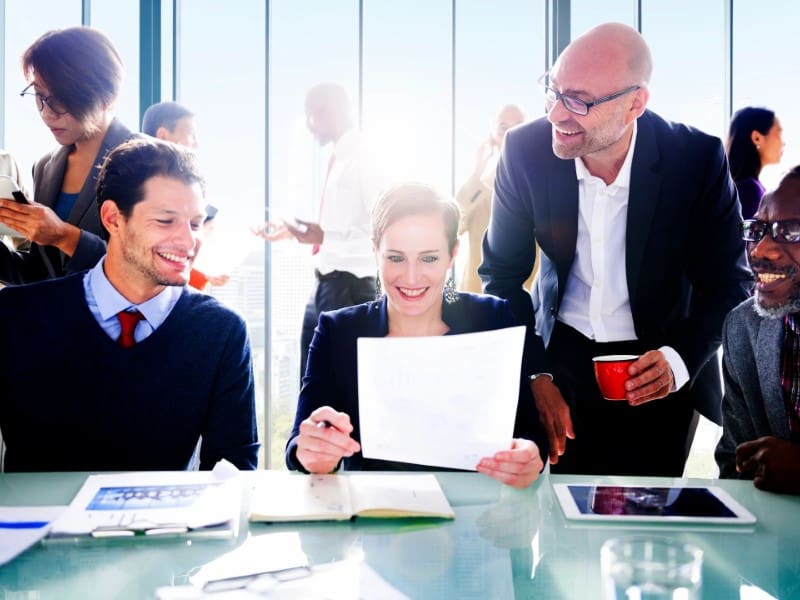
[340, 238]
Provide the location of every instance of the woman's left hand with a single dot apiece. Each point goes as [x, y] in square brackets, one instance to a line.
[518, 467]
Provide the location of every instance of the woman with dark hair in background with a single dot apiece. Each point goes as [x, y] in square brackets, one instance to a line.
[74, 77]
[754, 141]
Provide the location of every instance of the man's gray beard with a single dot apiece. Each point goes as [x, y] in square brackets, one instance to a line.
[776, 312]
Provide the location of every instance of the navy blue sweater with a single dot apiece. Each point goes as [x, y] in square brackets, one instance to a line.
[71, 399]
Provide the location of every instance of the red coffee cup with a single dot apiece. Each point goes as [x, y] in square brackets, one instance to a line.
[611, 372]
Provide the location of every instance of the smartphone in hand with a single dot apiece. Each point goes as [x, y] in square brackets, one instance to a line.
[10, 189]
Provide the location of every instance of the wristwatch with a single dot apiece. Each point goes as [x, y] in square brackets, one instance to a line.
[536, 376]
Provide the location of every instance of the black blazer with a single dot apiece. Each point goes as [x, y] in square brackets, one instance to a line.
[46, 262]
[332, 376]
[685, 260]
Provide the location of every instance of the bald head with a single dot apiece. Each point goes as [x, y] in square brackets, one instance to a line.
[508, 116]
[614, 49]
[328, 112]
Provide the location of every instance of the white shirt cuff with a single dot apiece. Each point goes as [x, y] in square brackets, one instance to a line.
[679, 370]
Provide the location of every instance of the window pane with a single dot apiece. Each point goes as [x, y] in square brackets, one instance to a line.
[585, 14]
[492, 69]
[311, 41]
[26, 137]
[688, 83]
[407, 87]
[114, 18]
[222, 80]
[765, 67]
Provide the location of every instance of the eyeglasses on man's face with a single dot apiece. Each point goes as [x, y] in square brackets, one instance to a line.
[52, 103]
[573, 104]
[787, 231]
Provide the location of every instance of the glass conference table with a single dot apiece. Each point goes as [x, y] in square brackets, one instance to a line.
[503, 543]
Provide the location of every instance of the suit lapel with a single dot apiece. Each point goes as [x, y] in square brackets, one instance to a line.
[49, 183]
[115, 135]
[562, 223]
[768, 350]
[643, 198]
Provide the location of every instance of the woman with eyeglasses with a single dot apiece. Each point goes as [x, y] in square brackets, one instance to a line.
[74, 77]
[754, 141]
[414, 236]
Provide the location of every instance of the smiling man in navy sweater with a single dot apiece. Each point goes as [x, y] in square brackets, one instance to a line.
[85, 389]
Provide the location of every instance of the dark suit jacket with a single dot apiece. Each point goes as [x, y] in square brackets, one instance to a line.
[753, 405]
[332, 376]
[685, 261]
[46, 262]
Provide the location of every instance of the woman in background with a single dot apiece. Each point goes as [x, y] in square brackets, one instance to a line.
[73, 77]
[414, 233]
[754, 141]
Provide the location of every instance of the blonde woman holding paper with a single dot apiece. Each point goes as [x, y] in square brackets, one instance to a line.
[415, 240]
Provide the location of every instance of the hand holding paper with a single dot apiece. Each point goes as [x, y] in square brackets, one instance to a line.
[518, 467]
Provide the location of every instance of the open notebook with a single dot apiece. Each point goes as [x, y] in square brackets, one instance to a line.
[283, 496]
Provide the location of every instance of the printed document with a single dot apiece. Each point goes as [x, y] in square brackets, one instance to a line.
[444, 401]
[153, 503]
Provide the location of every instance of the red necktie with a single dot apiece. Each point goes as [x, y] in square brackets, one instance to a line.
[315, 247]
[128, 321]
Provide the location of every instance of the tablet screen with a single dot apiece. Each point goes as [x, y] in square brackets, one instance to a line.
[676, 504]
[648, 501]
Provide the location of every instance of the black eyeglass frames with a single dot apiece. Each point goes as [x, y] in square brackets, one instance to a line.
[787, 231]
[52, 103]
[573, 104]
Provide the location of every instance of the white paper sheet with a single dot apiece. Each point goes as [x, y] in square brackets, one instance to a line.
[349, 579]
[22, 526]
[444, 401]
[256, 556]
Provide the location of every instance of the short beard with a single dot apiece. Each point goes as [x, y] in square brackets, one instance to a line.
[776, 312]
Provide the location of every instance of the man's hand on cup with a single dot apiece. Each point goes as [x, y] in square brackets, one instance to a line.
[324, 440]
[554, 415]
[518, 467]
[651, 378]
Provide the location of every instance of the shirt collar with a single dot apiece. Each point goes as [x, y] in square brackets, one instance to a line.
[623, 179]
[110, 301]
[346, 145]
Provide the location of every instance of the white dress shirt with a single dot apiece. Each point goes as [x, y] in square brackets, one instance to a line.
[351, 189]
[596, 301]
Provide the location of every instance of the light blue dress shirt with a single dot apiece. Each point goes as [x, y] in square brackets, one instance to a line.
[105, 302]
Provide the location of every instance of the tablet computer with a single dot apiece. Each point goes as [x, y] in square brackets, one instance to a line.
[650, 504]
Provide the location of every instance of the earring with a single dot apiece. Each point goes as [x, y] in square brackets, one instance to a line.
[450, 289]
[758, 146]
[378, 289]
